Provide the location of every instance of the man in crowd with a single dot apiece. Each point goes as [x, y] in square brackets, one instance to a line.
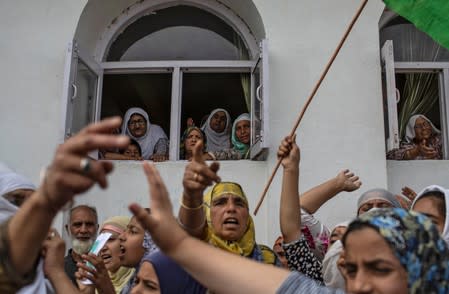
[82, 228]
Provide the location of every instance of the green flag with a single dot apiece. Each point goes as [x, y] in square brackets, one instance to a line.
[430, 16]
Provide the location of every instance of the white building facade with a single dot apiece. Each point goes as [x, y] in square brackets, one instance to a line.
[343, 127]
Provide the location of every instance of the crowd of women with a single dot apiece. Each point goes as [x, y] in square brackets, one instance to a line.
[387, 246]
[221, 139]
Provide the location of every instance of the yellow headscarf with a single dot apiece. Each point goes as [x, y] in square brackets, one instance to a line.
[245, 245]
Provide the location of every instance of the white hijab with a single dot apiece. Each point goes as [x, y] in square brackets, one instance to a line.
[153, 134]
[377, 194]
[11, 181]
[332, 276]
[410, 128]
[437, 188]
[217, 141]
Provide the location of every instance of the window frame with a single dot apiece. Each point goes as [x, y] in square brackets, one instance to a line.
[75, 55]
[391, 66]
[257, 52]
[196, 66]
[177, 68]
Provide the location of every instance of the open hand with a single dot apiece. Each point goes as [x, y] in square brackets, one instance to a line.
[347, 181]
[426, 151]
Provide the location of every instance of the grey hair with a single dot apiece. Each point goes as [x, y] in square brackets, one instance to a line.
[84, 206]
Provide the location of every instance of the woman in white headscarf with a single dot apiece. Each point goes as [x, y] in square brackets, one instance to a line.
[218, 131]
[14, 190]
[332, 276]
[433, 202]
[152, 139]
[422, 141]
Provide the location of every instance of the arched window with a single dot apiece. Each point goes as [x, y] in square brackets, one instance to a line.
[176, 61]
[415, 75]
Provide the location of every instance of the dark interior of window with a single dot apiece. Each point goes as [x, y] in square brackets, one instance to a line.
[419, 94]
[151, 92]
[204, 92]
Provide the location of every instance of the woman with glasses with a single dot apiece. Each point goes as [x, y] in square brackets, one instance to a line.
[152, 139]
[422, 141]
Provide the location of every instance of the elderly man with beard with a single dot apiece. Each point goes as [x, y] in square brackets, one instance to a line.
[82, 229]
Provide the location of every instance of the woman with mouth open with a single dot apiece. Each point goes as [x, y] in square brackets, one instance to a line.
[221, 217]
[111, 251]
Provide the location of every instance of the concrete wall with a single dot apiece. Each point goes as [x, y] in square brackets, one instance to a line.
[417, 174]
[343, 127]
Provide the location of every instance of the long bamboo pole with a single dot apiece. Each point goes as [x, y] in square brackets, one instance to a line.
[315, 89]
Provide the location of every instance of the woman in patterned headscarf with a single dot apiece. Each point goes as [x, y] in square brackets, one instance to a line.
[401, 252]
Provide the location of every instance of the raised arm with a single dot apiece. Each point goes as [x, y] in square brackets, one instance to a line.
[314, 198]
[290, 216]
[69, 174]
[219, 271]
[197, 177]
[53, 251]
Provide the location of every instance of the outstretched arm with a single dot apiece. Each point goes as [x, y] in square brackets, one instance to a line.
[314, 198]
[197, 177]
[290, 216]
[221, 272]
[64, 179]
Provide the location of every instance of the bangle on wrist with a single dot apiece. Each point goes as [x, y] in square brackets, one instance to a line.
[190, 208]
[186, 228]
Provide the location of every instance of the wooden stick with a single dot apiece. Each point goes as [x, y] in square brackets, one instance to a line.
[315, 89]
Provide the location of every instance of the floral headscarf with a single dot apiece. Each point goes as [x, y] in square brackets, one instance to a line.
[415, 241]
[239, 146]
[182, 147]
[246, 244]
